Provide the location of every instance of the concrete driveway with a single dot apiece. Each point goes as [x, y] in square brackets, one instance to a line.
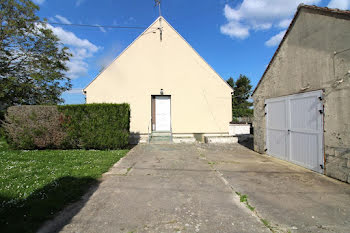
[198, 187]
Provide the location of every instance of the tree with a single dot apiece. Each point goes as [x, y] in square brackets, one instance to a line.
[241, 107]
[32, 59]
[231, 82]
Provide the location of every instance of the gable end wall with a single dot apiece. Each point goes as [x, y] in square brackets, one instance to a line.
[200, 99]
[305, 61]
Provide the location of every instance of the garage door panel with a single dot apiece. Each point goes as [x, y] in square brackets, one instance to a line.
[277, 115]
[277, 143]
[304, 113]
[304, 150]
[294, 129]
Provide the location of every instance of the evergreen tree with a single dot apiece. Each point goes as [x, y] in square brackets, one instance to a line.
[241, 107]
[231, 82]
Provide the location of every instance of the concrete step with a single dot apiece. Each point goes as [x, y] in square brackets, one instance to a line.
[165, 138]
[161, 142]
[161, 134]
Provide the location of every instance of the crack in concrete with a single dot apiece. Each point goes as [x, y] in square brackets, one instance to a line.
[274, 228]
[129, 169]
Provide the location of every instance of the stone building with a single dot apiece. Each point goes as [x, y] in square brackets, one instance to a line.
[302, 102]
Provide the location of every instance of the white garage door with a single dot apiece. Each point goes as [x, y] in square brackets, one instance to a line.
[295, 129]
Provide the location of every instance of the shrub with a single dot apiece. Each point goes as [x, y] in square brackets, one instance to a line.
[30, 127]
[96, 126]
[88, 126]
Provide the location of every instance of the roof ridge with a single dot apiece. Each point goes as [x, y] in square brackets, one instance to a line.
[326, 9]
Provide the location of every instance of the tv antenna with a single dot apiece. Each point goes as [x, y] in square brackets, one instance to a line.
[157, 3]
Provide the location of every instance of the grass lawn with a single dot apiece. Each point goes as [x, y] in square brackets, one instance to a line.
[35, 185]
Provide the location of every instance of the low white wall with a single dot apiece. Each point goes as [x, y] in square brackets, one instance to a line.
[184, 140]
[239, 129]
[221, 139]
[187, 138]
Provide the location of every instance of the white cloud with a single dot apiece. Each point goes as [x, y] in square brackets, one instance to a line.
[235, 29]
[340, 4]
[69, 38]
[276, 39]
[259, 15]
[79, 2]
[264, 10]
[53, 20]
[231, 14]
[284, 23]
[75, 91]
[263, 26]
[131, 19]
[110, 54]
[39, 1]
[80, 48]
[101, 28]
[62, 19]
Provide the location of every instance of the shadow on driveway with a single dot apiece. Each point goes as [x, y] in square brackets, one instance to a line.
[198, 188]
[26, 215]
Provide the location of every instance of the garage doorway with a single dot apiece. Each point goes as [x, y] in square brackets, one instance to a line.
[161, 113]
[294, 129]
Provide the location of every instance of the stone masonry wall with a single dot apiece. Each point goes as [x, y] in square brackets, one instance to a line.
[306, 62]
[338, 163]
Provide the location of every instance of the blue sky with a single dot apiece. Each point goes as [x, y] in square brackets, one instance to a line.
[233, 36]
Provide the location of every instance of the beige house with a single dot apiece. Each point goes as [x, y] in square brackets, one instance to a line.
[302, 102]
[169, 87]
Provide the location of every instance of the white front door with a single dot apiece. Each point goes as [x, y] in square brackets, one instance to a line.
[295, 129]
[162, 113]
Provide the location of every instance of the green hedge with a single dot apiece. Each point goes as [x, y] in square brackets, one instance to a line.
[31, 127]
[87, 126]
[96, 126]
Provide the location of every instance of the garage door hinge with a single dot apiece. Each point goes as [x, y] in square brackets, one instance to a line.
[321, 111]
[321, 166]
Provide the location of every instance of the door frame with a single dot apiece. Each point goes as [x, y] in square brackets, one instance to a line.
[153, 113]
[288, 113]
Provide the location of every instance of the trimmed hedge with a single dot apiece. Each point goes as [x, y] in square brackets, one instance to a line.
[96, 126]
[31, 127]
[87, 126]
